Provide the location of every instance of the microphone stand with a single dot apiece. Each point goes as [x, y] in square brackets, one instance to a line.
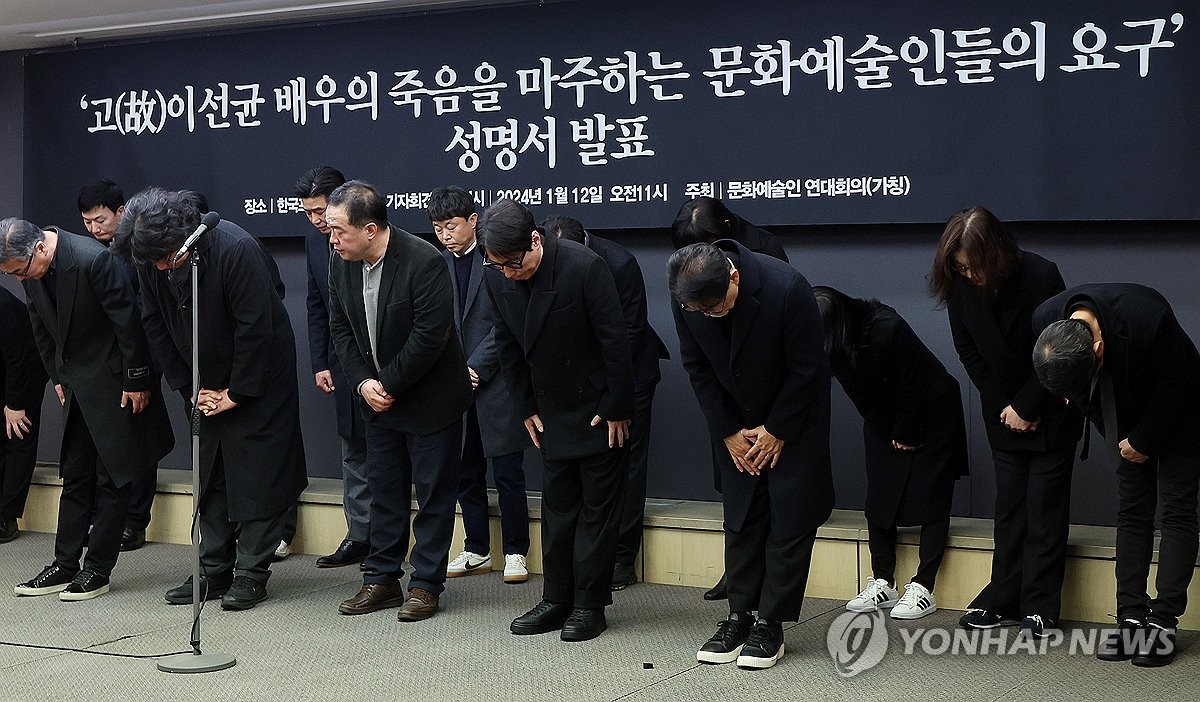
[196, 662]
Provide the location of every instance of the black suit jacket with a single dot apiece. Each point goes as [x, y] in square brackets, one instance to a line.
[22, 374]
[420, 356]
[322, 356]
[770, 370]
[565, 326]
[501, 422]
[645, 343]
[994, 340]
[756, 239]
[93, 344]
[1154, 364]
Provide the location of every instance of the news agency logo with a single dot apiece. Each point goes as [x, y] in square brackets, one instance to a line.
[857, 642]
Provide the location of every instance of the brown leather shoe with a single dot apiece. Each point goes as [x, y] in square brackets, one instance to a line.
[374, 597]
[421, 604]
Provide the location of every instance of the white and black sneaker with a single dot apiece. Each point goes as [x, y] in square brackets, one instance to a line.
[86, 585]
[764, 646]
[877, 595]
[983, 619]
[726, 644]
[917, 602]
[53, 578]
[467, 563]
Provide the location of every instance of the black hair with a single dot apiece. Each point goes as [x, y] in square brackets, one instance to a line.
[319, 182]
[1064, 358]
[701, 220]
[155, 224]
[450, 202]
[506, 228]
[698, 274]
[103, 193]
[845, 321]
[362, 201]
[989, 247]
[564, 227]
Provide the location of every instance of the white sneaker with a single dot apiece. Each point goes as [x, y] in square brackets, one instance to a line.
[916, 603]
[515, 570]
[878, 595]
[467, 563]
[284, 550]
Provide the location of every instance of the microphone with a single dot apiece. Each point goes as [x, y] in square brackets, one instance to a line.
[209, 221]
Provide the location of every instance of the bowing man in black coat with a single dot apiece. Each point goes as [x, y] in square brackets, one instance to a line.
[494, 429]
[391, 312]
[86, 324]
[1117, 353]
[915, 440]
[990, 289]
[252, 465]
[560, 317]
[313, 189]
[22, 385]
[750, 339]
[647, 349]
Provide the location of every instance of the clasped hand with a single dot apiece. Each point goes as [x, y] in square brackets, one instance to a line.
[754, 449]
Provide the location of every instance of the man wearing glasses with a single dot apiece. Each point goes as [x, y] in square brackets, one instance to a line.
[750, 339]
[559, 316]
[89, 332]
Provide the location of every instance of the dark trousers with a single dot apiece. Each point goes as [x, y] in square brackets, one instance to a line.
[89, 496]
[767, 573]
[581, 513]
[509, 474]
[1173, 477]
[17, 460]
[397, 462]
[633, 513]
[234, 548]
[1033, 510]
[288, 530]
[882, 541]
[141, 499]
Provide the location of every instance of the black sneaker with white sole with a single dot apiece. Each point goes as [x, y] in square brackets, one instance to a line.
[726, 644]
[763, 647]
[983, 619]
[1036, 626]
[86, 585]
[53, 578]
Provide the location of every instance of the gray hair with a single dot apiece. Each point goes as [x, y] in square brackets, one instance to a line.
[18, 238]
[1064, 359]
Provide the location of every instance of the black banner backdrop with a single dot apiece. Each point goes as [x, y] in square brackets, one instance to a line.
[616, 112]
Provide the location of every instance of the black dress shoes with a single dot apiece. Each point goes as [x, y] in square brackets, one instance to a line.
[133, 539]
[1159, 649]
[1123, 643]
[210, 589]
[544, 617]
[720, 591]
[584, 624]
[8, 530]
[348, 553]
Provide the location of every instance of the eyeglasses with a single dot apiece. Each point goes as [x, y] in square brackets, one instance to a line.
[28, 263]
[513, 264]
[703, 309]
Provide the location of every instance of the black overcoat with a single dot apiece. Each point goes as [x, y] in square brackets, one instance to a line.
[771, 370]
[565, 327]
[22, 375]
[1154, 364]
[93, 344]
[322, 356]
[644, 342]
[994, 340]
[247, 346]
[904, 393]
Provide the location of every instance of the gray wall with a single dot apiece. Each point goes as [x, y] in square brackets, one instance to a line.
[885, 261]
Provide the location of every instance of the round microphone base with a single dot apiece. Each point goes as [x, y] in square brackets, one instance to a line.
[196, 662]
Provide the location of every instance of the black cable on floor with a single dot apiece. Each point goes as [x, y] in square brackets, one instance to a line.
[94, 653]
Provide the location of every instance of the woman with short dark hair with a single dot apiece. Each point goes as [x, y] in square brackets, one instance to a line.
[915, 440]
[990, 289]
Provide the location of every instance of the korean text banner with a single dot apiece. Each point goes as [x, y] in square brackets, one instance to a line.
[617, 112]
